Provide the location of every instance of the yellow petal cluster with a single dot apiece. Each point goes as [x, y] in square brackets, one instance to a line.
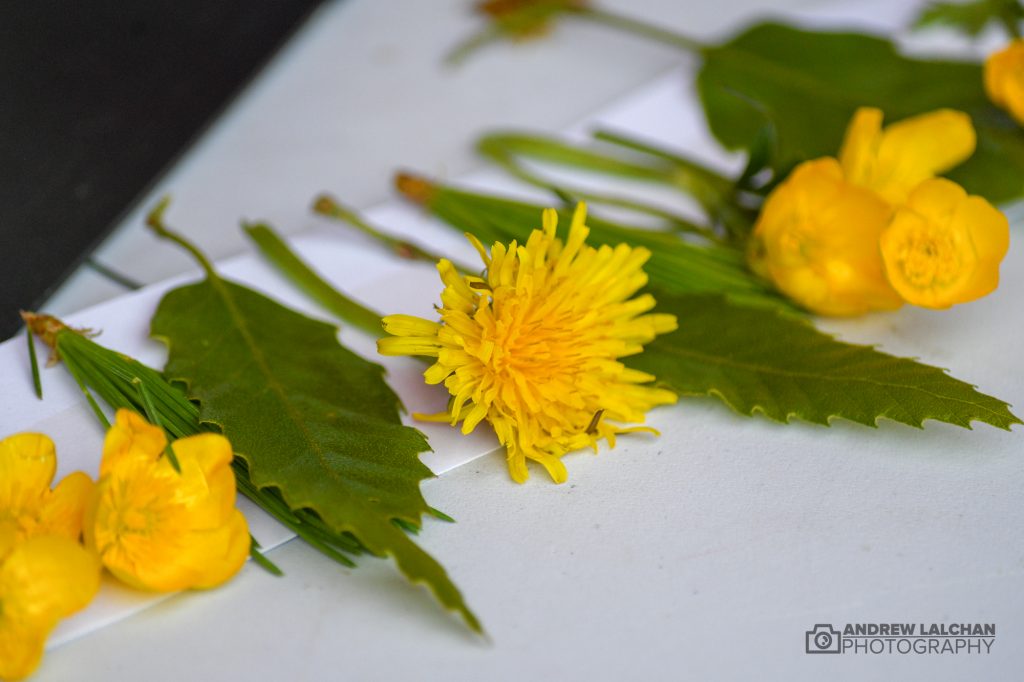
[45, 574]
[157, 529]
[874, 228]
[1004, 79]
[151, 526]
[532, 345]
[817, 240]
[943, 247]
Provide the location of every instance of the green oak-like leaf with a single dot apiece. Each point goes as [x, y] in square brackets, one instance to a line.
[758, 361]
[806, 85]
[310, 418]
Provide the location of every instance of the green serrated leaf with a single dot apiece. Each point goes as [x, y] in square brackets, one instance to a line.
[807, 85]
[793, 370]
[309, 417]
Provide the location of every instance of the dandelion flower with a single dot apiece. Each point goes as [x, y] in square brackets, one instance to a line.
[532, 345]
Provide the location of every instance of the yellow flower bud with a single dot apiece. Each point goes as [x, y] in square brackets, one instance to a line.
[944, 247]
[817, 240]
[1004, 79]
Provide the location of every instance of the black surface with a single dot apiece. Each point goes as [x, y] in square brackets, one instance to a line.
[96, 99]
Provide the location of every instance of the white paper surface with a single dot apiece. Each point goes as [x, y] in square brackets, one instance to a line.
[737, 532]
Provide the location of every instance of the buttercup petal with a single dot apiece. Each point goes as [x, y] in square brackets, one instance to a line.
[131, 436]
[21, 649]
[921, 147]
[859, 152]
[64, 510]
[44, 579]
[223, 552]
[28, 462]
[208, 482]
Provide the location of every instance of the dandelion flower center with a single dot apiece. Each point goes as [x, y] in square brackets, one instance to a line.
[532, 345]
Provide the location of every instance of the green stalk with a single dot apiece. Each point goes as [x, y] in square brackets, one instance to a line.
[504, 149]
[326, 206]
[531, 20]
[701, 177]
[641, 28]
[309, 281]
[37, 383]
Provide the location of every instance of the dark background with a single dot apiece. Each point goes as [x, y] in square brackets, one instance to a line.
[96, 99]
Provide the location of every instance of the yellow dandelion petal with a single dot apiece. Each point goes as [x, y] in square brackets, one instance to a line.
[535, 352]
[408, 325]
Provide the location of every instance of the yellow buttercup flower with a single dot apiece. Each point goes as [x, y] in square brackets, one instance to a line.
[532, 345]
[944, 247]
[893, 161]
[28, 507]
[43, 579]
[1004, 79]
[157, 529]
[817, 239]
[819, 236]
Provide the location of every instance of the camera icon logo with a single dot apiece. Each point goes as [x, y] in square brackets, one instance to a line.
[824, 639]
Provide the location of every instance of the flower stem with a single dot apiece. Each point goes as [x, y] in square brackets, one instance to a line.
[327, 206]
[155, 222]
[506, 150]
[305, 278]
[640, 28]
